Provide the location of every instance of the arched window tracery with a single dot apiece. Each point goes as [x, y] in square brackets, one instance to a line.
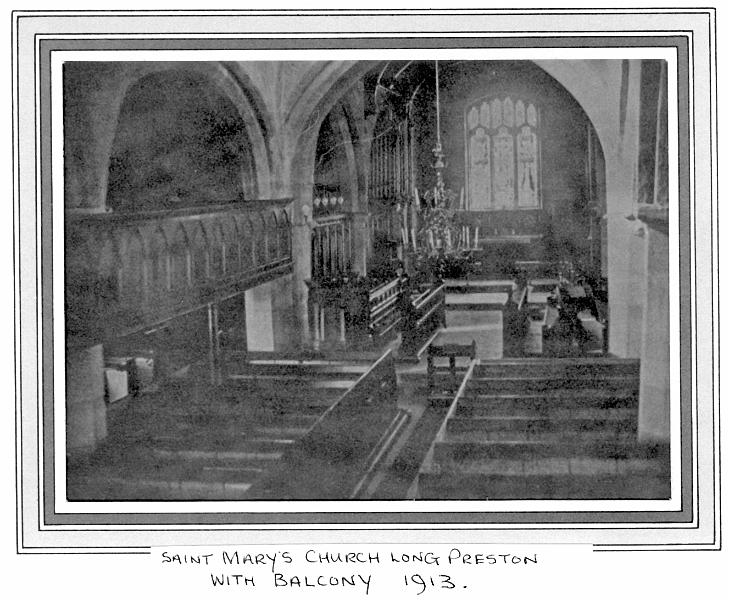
[502, 154]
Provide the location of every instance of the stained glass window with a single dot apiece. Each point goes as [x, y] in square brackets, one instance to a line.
[502, 154]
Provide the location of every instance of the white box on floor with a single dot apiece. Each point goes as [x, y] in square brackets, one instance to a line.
[117, 384]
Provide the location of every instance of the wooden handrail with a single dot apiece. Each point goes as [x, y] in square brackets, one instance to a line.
[253, 206]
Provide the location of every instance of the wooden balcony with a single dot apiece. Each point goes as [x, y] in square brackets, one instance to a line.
[126, 272]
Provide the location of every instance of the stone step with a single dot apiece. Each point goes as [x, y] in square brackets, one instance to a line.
[543, 487]
[460, 452]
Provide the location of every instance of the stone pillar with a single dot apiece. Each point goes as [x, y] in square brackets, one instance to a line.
[93, 96]
[285, 336]
[259, 319]
[301, 251]
[270, 319]
[85, 405]
[626, 265]
[653, 414]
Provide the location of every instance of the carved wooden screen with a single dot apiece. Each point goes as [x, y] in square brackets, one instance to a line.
[331, 248]
[502, 154]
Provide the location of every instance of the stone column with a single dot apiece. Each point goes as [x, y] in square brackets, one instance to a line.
[93, 97]
[653, 414]
[625, 247]
[85, 405]
[285, 336]
[301, 251]
[259, 318]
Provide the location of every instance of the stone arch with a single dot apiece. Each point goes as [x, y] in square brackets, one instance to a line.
[332, 81]
[326, 88]
[328, 84]
[241, 92]
[604, 82]
[93, 97]
[179, 142]
[343, 122]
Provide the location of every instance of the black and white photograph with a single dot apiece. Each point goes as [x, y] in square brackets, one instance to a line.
[365, 276]
[366, 279]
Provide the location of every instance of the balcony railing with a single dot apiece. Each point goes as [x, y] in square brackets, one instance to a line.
[125, 272]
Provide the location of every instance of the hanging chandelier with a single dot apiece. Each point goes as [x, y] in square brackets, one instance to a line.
[438, 217]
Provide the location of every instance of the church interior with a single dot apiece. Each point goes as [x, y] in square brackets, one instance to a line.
[366, 280]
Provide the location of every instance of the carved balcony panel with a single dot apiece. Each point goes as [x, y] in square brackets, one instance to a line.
[126, 272]
[232, 245]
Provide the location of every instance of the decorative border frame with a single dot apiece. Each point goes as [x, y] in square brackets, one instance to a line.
[36, 35]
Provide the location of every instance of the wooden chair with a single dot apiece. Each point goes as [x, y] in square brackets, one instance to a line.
[450, 351]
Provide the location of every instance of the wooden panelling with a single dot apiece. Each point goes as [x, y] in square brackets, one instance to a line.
[125, 272]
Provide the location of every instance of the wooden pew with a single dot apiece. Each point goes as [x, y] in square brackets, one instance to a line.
[426, 315]
[350, 315]
[341, 450]
[384, 314]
